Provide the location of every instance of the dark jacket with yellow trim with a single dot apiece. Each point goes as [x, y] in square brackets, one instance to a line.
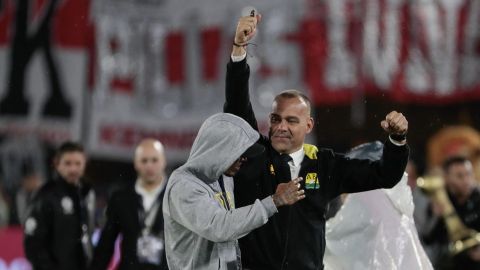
[295, 238]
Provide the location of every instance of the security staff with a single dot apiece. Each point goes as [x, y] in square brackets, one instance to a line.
[59, 226]
[135, 213]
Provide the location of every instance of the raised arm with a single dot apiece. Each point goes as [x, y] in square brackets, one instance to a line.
[237, 99]
[355, 175]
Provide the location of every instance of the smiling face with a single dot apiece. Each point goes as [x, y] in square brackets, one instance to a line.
[290, 122]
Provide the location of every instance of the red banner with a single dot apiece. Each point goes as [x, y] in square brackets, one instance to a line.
[45, 51]
[416, 52]
[156, 68]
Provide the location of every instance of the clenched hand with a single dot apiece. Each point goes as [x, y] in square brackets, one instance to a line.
[395, 123]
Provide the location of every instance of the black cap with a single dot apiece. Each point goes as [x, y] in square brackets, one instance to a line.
[254, 150]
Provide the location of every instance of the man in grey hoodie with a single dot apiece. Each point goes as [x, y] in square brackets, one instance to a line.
[201, 223]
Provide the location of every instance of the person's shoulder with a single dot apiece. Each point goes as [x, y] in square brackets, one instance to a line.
[326, 153]
[182, 183]
[47, 193]
[122, 191]
[311, 151]
[264, 140]
[476, 195]
[51, 186]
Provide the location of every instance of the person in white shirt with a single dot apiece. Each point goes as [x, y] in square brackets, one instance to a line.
[135, 212]
[295, 239]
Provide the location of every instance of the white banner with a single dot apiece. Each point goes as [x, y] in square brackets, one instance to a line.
[43, 73]
[160, 69]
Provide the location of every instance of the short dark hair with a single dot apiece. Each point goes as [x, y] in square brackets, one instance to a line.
[68, 147]
[292, 93]
[453, 160]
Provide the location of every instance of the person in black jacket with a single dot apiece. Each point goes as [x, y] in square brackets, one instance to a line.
[135, 212]
[59, 225]
[464, 194]
[295, 238]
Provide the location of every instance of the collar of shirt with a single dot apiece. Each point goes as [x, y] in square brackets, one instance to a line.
[297, 157]
[148, 197]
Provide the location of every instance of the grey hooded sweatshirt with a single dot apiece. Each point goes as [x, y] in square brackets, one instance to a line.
[201, 223]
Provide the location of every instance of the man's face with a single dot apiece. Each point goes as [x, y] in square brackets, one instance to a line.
[289, 123]
[71, 166]
[459, 179]
[150, 164]
[235, 167]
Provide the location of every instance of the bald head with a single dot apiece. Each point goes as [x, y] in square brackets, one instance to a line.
[294, 94]
[149, 161]
[149, 143]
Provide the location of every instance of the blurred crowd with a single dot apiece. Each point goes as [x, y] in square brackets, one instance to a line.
[452, 155]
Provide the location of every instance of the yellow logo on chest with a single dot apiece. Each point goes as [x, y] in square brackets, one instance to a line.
[311, 181]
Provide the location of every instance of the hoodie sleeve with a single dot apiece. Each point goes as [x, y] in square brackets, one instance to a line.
[193, 207]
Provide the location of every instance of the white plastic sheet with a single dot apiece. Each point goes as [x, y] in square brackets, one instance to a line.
[375, 230]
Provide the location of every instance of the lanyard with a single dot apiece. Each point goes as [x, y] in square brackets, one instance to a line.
[224, 193]
[85, 238]
[147, 218]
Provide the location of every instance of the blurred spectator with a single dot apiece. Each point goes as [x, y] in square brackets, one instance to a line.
[454, 141]
[464, 194]
[29, 185]
[411, 170]
[421, 214]
[4, 209]
[58, 228]
[19, 156]
[135, 212]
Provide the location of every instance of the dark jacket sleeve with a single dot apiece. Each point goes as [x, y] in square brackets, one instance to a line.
[106, 244]
[37, 234]
[355, 175]
[237, 98]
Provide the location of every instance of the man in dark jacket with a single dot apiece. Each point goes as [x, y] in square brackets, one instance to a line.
[135, 212]
[464, 194]
[59, 225]
[295, 238]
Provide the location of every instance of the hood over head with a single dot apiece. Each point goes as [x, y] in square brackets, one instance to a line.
[221, 140]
